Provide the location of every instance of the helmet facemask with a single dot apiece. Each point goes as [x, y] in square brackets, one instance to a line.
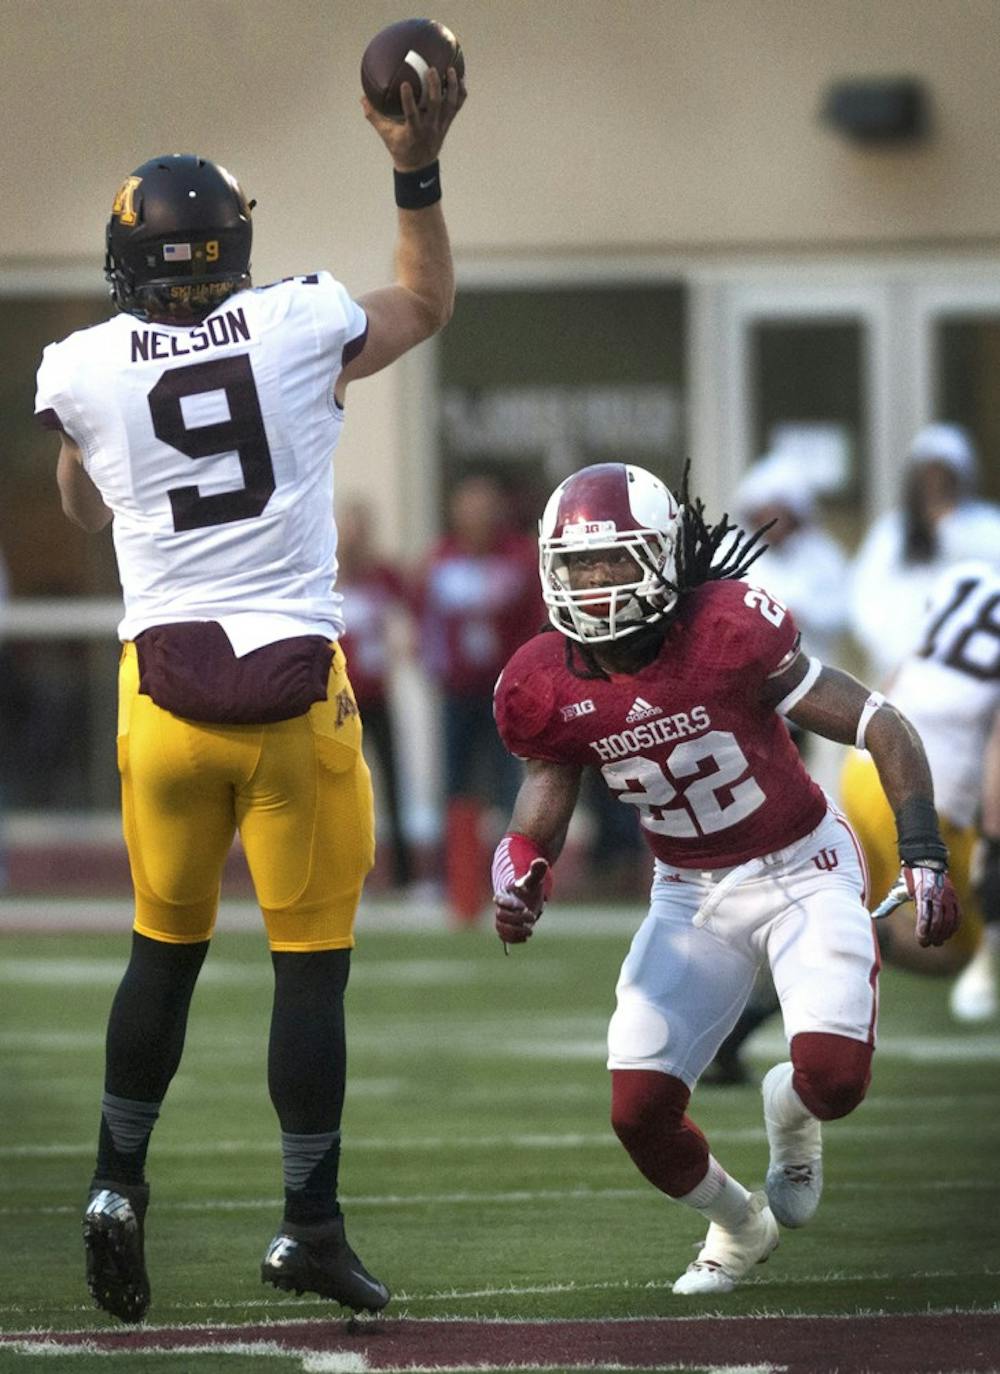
[612, 611]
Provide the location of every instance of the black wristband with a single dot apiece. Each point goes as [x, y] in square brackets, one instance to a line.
[417, 190]
[917, 834]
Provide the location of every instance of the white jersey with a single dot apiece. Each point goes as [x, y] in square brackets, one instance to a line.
[888, 598]
[950, 689]
[212, 445]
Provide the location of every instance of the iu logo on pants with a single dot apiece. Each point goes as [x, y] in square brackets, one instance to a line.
[826, 860]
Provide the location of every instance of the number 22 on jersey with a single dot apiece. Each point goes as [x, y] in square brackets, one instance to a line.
[644, 783]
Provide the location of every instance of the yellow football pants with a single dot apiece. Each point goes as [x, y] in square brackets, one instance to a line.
[870, 815]
[298, 791]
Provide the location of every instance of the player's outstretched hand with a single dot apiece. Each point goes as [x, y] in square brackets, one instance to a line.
[415, 140]
[518, 907]
[938, 913]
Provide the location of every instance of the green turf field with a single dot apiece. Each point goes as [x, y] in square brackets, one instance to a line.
[480, 1176]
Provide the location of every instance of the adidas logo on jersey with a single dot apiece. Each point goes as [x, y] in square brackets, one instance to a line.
[642, 710]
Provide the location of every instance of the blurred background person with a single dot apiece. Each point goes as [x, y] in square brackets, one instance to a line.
[949, 690]
[939, 521]
[374, 600]
[6, 704]
[478, 600]
[803, 566]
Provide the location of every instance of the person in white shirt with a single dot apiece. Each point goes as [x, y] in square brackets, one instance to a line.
[803, 566]
[938, 522]
[949, 690]
[201, 423]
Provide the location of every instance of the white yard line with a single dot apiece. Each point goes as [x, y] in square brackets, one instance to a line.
[481, 1041]
[29, 915]
[339, 1362]
[498, 1199]
[354, 1362]
[232, 973]
[464, 1144]
[284, 1304]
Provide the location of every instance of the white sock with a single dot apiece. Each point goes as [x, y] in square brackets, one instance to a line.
[719, 1197]
[791, 1126]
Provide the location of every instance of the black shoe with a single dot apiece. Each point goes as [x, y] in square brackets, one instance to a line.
[113, 1240]
[317, 1259]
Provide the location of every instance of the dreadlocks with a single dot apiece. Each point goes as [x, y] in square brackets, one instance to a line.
[698, 562]
[699, 545]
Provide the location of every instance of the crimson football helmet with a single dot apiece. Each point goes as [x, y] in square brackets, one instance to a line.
[609, 507]
[178, 240]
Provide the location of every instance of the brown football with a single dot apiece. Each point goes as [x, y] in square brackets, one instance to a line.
[406, 51]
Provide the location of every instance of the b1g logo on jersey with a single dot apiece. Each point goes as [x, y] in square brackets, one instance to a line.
[577, 708]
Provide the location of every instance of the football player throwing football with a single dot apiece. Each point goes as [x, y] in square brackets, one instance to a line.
[201, 421]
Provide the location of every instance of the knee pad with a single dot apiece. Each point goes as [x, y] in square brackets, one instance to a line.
[831, 1073]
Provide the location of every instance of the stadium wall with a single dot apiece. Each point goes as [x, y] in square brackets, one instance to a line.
[649, 126]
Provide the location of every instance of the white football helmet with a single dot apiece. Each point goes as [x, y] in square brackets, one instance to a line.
[609, 506]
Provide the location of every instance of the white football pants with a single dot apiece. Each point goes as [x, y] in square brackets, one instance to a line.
[692, 962]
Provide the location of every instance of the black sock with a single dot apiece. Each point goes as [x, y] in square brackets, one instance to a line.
[145, 1040]
[306, 1069]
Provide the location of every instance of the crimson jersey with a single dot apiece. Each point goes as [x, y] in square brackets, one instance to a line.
[475, 609]
[713, 773]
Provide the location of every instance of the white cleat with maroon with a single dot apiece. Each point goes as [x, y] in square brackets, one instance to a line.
[728, 1256]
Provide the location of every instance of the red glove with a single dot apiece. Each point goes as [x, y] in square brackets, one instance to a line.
[938, 914]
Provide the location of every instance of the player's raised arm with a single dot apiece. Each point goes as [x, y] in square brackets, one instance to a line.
[421, 300]
[522, 876]
[840, 708]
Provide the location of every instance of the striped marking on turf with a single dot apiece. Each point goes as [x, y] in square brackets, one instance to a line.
[229, 973]
[351, 1362]
[376, 918]
[438, 1144]
[444, 1295]
[513, 1197]
[337, 1362]
[556, 1043]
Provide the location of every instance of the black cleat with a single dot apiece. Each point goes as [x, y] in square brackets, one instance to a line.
[317, 1259]
[113, 1240]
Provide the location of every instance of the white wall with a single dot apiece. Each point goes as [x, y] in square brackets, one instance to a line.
[677, 125]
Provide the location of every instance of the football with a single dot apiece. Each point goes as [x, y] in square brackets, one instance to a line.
[406, 51]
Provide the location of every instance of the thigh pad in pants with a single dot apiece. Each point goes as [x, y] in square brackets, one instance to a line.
[298, 791]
